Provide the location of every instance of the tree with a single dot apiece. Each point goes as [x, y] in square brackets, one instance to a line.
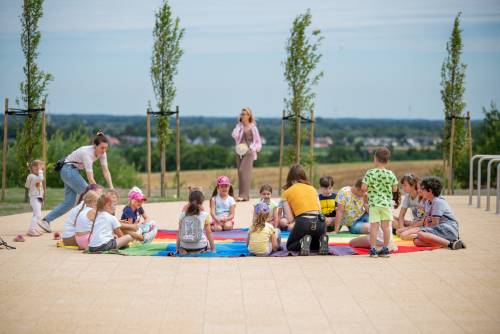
[452, 93]
[33, 89]
[300, 66]
[167, 53]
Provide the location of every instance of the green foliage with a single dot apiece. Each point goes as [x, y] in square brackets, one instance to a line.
[167, 52]
[300, 66]
[452, 93]
[122, 171]
[33, 89]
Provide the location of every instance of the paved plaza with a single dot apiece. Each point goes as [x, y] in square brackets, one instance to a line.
[44, 289]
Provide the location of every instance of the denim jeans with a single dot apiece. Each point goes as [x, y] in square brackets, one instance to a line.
[74, 184]
[357, 225]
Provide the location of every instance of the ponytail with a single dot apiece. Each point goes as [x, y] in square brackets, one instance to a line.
[79, 211]
[101, 203]
[100, 138]
[260, 221]
[196, 199]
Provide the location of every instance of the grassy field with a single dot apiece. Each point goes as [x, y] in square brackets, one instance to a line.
[343, 174]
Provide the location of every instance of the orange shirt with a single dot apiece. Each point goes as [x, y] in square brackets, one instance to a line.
[302, 198]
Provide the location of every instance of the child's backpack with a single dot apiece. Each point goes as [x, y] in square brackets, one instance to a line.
[191, 230]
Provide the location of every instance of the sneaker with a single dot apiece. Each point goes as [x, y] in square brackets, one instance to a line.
[33, 233]
[457, 244]
[305, 245]
[44, 226]
[384, 252]
[323, 245]
[373, 252]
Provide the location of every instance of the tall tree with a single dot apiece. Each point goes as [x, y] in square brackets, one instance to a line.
[33, 88]
[300, 73]
[452, 95]
[167, 53]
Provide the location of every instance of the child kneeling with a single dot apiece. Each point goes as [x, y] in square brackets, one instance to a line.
[263, 238]
[195, 234]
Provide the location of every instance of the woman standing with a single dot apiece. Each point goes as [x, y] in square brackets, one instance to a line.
[74, 183]
[248, 143]
[301, 205]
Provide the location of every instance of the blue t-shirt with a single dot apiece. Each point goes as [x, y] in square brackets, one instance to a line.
[129, 213]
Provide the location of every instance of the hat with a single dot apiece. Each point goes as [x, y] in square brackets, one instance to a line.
[261, 207]
[136, 194]
[223, 180]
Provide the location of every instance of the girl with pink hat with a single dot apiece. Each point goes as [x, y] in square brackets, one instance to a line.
[222, 205]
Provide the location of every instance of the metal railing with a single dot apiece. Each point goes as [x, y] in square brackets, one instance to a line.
[483, 157]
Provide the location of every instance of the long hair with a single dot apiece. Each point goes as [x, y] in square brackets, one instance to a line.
[259, 221]
[102, 201]
[91, 197]
[196, 199]
[251, 119]
[296, 174]
[230, 192]
[396, 197]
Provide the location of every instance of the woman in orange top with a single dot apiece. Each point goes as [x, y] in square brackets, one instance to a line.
[302, 206]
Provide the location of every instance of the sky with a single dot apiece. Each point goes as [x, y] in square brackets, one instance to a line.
[381, 58]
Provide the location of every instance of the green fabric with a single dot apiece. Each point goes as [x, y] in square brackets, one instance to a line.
[380, 182]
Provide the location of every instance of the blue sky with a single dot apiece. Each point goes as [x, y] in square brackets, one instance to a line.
[381, 58]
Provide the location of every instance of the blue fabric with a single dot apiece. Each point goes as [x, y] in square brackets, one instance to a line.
[74, 184]
[356, 226]
[233, 249]
[129, 213]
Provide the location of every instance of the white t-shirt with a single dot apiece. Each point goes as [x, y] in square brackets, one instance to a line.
[104, 226]
[31, 182]
[223, 206]
[84, 157]
[83, 224]
[204, 219]
[69, 224]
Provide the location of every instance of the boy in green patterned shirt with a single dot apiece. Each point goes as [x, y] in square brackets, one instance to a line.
[380, 184]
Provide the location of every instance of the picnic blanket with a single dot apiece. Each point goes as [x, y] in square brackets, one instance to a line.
[233, 244]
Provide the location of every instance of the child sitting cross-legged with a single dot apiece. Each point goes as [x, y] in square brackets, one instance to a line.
[263, 238]
[327, 201]
[222, 205]
[441, 227]
[195, 234]
[143, 231]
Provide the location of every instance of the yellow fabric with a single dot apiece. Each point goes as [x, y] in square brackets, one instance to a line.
[327, 206]
[378, 214]
[302, 198]
[259, 241]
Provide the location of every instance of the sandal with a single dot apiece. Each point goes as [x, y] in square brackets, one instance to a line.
[19, 238]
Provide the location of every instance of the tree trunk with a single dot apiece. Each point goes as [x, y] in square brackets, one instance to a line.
[162, 176]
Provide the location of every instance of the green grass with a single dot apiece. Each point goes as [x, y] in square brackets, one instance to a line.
[14, 199]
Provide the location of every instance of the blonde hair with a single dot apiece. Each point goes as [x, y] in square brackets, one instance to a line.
[251, 119]
[259, 221]
[34, 163]
[89, 200]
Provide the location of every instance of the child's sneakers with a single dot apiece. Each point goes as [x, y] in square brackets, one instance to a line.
[373, 252]
[384, 252]
[305, 245]
[33, 233]
[44, 226]
[323, 245]
[457, 244]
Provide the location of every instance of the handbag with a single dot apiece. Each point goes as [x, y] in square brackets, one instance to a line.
[241, 149]
[60, 163]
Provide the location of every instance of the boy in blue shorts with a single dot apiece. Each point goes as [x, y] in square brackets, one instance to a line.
[380, 184]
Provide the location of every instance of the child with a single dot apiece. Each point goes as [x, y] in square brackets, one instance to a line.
[190, 190]
[195, 234]
[34, 184]
[266, 192]
[143, 231]
[222, 205]
[327, 201]
[284, 224]
[380, 184]
[84, 218]
[411, 201]
[441, 227]
[105, 225]
[68, 234]
[263, 238]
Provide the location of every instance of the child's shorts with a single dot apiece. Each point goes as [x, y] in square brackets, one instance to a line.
[111, 244]
[82, 241]
[378, 214]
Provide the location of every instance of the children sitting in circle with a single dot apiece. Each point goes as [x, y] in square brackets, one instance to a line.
[327, 201]
[412, 201]
[105, 226]
[194, 233]
[143, 231]
[69, 227]
[34, 184]
[263, 238]
[440, 227]
[266, 193]
[222, 205]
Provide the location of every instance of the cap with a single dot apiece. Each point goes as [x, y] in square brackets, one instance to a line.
[261, 207]
[136, 194]
[223, 180]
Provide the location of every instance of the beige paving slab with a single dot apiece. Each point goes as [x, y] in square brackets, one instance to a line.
[441, 291]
